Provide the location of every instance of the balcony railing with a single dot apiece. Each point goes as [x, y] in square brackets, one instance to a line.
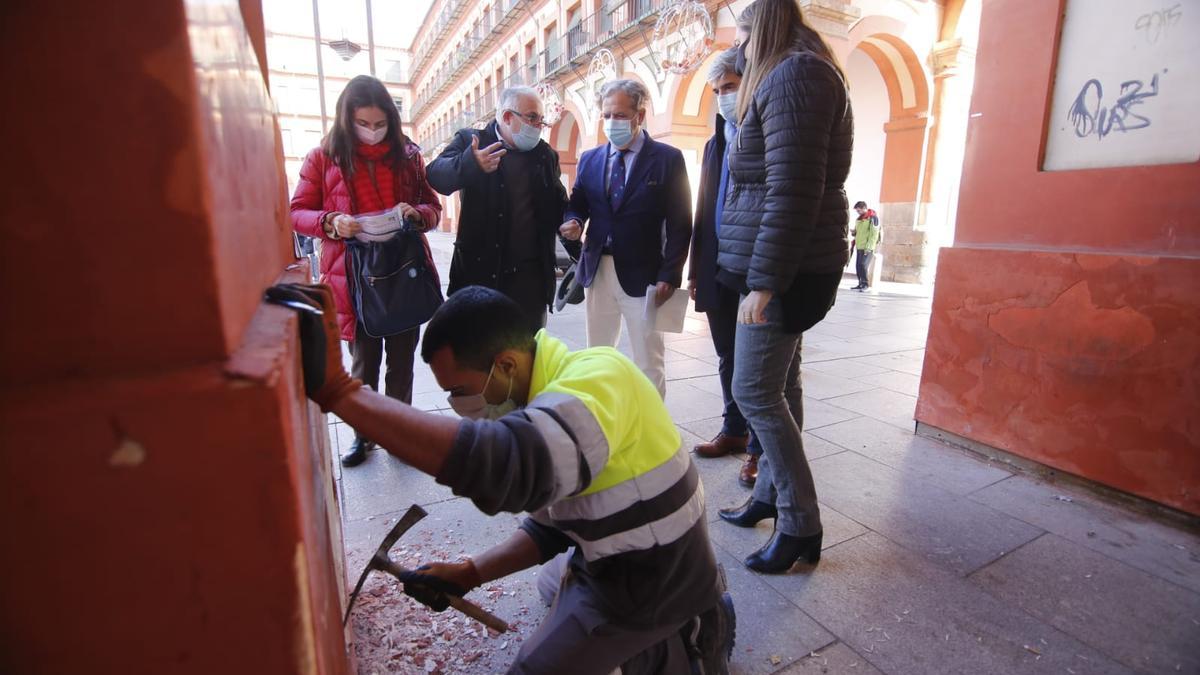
[446, 19]
[571, 50]
[481, 37]
[474, 115]
[613, 21]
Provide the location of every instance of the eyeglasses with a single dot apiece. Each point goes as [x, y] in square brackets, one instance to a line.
[532, 119]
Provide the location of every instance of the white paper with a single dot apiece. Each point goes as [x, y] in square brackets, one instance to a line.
[669, 317]
[379, 226]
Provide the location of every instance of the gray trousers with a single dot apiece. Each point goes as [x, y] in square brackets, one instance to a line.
[577, 637]
[367, 354]
[767, 389]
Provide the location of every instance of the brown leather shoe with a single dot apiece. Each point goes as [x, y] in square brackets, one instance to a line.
[749, 473]
[722, 445]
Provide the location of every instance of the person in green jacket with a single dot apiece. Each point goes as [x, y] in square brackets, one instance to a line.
[583, 443]
[866, 238]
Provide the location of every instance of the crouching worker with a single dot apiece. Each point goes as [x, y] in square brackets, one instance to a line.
[580, 440]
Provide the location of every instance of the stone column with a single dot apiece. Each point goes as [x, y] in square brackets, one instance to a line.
[953, 81]
[832, 19]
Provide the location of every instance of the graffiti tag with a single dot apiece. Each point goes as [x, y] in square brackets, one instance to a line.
[1089, 115]
[1158, 23]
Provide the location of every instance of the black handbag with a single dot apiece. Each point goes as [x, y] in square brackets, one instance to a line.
[391, 285]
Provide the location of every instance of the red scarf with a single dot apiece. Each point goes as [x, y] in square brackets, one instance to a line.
[377, 195]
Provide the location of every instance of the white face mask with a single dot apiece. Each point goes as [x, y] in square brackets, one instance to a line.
[728, 105]
[527, 138]
[476, 407]
[370, 136]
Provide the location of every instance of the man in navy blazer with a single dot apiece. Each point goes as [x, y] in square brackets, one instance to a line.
[630, 192]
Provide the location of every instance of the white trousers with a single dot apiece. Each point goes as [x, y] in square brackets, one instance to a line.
[606, 304]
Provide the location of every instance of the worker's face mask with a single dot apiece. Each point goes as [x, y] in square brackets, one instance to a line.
[476, 407]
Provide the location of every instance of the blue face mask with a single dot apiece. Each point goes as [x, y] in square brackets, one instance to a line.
[619, 132]
[728, 105]
[527, 138]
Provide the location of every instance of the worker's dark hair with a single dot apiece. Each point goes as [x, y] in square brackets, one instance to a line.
[477, 323]
[860, 205]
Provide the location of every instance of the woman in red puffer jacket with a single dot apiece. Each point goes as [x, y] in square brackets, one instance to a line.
[365, 164]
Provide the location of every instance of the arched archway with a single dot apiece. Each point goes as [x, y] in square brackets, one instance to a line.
[564, 138]
[890, 92]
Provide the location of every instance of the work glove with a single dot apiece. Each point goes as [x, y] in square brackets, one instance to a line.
[431, 585]
[325, 380]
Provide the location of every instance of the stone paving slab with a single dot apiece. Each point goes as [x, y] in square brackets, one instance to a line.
[819, 414]
[686, 403]
[882, 404]
[1134, 617]
[772, 632]
[740, 542]
[1162, 550]
[383, 484]
[947, 529]
[948, 468]
[905, 383]
[835, 659]
[907, 615]
[823, 386]
[844, 368]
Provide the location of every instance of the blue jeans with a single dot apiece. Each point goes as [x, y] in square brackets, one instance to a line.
[722, 324]
[862, 266]
[767, 390]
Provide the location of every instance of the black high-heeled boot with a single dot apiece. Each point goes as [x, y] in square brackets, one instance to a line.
[748, 514]
[783, 551]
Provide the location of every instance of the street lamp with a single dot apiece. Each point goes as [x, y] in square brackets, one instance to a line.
[345, 48]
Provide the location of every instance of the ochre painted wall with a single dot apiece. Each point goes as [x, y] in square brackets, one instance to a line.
[166, 493]
[1066, 320]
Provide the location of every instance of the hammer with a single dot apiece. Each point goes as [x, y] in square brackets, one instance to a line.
[381, 561]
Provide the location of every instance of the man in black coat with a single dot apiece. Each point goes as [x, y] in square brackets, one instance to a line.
[712, 297]
[512, 204]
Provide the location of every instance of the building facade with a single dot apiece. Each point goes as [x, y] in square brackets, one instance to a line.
[909, 64]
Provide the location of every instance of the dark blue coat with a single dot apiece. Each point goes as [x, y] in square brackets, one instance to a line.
[657, 197]
[702, 268]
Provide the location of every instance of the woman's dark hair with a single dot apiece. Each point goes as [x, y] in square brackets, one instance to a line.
[363, 91]
[477, 323]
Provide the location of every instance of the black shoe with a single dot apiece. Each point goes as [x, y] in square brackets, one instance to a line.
[783, 551]
[358, 452]
[856, 288]
[748, 514]
[710, 637]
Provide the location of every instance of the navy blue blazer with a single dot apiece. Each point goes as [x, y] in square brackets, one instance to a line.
[702, 270]
[657, 198]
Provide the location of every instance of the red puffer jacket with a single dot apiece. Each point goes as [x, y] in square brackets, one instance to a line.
[323, 189]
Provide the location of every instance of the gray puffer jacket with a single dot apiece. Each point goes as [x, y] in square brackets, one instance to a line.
[785, 208]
